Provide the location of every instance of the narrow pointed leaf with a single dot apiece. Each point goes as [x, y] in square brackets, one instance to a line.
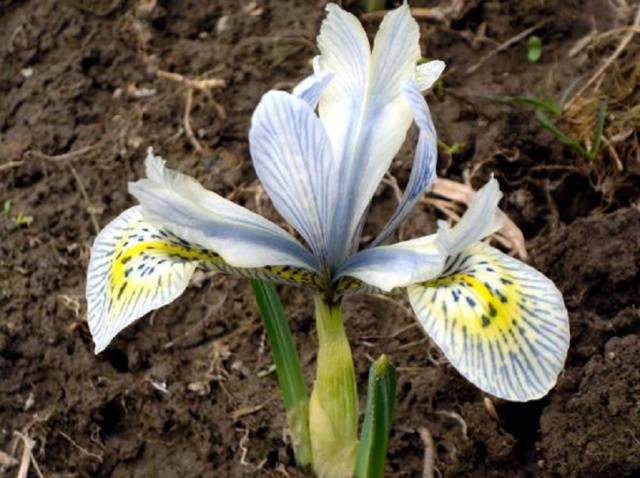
[288, 369]
[597, 134]
[374, 440]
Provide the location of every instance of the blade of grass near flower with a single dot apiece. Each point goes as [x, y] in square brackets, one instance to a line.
[550, 126]
[374, 439]
[598, 131]
[288, 369]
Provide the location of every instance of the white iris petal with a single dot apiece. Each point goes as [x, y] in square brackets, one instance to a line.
[243, 238]
[363, 109]
[292, 157]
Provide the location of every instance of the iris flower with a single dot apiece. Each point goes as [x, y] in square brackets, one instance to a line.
[501, 323]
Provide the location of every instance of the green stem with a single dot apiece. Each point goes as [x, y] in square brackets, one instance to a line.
[288, 369]
[333, 408]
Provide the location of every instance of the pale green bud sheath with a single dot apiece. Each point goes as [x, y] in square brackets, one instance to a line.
[333, 408]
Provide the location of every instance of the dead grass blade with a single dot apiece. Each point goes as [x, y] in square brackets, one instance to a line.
[7, 460]
[429, 452]
[608, 62]
[204, 85]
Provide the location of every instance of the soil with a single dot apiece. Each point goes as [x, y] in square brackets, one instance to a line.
[187, 391]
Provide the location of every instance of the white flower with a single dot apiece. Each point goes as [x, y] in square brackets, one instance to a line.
[501, 323]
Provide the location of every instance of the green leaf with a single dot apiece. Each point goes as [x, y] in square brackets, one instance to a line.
[534, 50]
[545, 104]
[374, 440]
[566, 93]
[450, 150]
[550, 126]
[596, 144]
[288, 369]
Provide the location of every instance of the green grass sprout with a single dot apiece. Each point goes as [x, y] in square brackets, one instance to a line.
[548, 112]
[534, 49]
[22, 219]
[450, 149]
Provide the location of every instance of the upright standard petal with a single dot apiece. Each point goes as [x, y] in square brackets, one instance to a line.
[362, 109]
[292, 157]
[502, 324]
[423, 171]
[180, 204]
[136, 267]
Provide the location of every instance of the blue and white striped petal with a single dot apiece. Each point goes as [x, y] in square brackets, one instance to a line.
[481, 219]
[136, 268]
[311, 88]
[501, 324]
[363, 109]
[423, 171]
[179, 204]
[421, 259]
[397, 265]
[292, 157]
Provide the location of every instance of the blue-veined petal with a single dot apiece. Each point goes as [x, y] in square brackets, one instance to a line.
[311, 88]
[180, 204]
[136, 267]
[423, 171]
[292, 157]
[133, 270]
[482, 219]
[428, 73]
[397, 265]
[502, 324]
[421, 259]
[363, 109]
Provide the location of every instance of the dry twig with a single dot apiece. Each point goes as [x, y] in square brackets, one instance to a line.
[87, 202]
[7, 460]
[192, 85]
[455, 416]
[443, 14]
[81, 449]
[63, 157]
[27, 457]
[241, 412]
[11, 164]
[429, 452]
[243, 448]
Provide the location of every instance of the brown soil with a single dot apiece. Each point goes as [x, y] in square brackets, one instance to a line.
[180, 393]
